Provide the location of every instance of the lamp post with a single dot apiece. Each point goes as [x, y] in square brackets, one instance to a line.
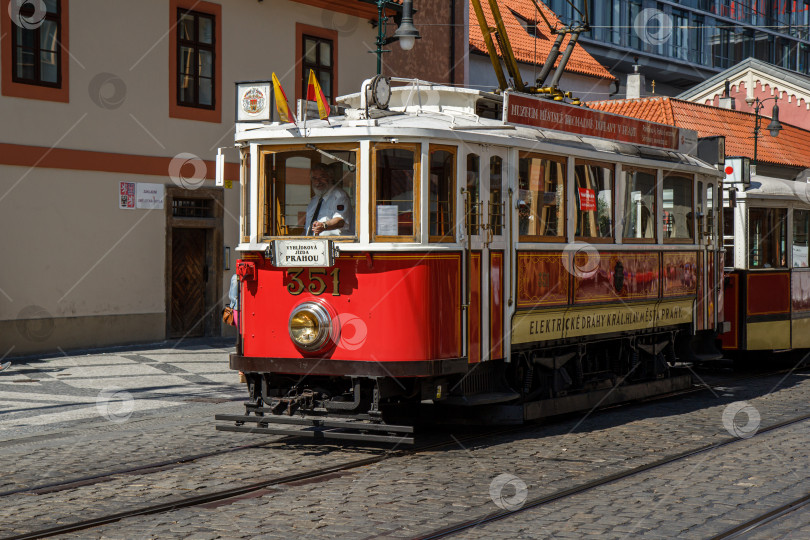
[406, 34]
[774, 127]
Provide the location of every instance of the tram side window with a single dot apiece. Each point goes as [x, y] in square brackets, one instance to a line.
[801, 228]
[767, 237]
[308, 193]
[472, 214]
[496, 207]
[594, 201]
[711, 210]
[395, 208]
[678, 210]
[541, 200]
[639, 205]
[442, 180]
[728, 234]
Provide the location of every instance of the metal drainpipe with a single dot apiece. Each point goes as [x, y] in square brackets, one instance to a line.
[452, 41]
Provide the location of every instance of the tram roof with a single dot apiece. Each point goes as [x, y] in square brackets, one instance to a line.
[766, 187]
[424, 110]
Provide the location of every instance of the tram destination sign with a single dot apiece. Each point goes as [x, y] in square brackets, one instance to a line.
[303, 253]
[544, 113]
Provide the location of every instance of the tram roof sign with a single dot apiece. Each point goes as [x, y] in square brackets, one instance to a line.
[543, 113]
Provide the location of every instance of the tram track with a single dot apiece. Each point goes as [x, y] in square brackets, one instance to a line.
[762, 520]
[163, 465]
[538, 502]
[322, 473]
[224, 495]
[89, 480]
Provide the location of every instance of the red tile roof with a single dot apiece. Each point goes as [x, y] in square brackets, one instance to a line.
[791, 147]
[527, 48]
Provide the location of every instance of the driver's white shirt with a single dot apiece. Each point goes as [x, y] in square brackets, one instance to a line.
[335, 204]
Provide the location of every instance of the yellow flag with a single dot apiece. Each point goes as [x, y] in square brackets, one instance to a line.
[282, 106]
[314, 93]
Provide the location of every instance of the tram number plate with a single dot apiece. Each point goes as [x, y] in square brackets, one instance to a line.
[317, 281]
[307, 253]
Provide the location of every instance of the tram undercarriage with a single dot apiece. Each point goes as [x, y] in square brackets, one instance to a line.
[540, 382]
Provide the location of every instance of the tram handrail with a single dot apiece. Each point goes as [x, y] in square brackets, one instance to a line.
[468, 254]
[510, 248]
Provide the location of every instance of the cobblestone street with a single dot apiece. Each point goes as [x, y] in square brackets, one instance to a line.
[89, 415]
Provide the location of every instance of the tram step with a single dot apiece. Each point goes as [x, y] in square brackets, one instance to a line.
[318, 428]
[480, 399]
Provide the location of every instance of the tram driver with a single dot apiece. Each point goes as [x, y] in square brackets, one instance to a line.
[329, 213]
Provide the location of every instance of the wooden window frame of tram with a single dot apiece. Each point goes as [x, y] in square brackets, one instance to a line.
[264, 151]
[654, 240]
[416, 148]
[693, 191]
[603, 165]
[562, 238]
[450, 237]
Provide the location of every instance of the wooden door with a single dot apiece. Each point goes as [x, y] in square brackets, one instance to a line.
[188, 282]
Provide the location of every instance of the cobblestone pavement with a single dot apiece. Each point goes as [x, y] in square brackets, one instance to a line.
[794, 525]
[46, 395]
[699, 497]
[146, 419]
[404, 496]
[58, 425]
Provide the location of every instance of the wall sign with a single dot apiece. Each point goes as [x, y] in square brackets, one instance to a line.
[126, 196]
[132, 195]
[149, 196]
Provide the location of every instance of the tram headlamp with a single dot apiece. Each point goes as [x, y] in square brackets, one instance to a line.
[310, 326]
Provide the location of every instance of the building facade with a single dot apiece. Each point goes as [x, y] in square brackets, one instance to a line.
[753, 79]
[113, 230]
[680, 44]
[584, 76]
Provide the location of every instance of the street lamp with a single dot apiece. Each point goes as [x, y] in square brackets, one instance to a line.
[774, 127]
[406, 34]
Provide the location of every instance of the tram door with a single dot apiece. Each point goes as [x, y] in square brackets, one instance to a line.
[484, 196]
[708, 206]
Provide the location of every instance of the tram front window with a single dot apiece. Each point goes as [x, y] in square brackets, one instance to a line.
[767, 237]
[311, 193]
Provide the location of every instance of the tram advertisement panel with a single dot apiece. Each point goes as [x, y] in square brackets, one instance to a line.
[575, 322]
[547, 114]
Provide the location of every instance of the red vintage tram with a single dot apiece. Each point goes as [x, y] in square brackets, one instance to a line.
[493, 257]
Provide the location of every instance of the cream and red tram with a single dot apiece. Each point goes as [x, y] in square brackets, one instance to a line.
[491, 263]
[767, 280]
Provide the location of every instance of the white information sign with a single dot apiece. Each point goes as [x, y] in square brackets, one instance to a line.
[310, 253]
[387, 220]
[149, 196]
[799, 256]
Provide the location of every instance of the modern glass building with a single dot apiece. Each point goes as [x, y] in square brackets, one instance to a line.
[681, 43]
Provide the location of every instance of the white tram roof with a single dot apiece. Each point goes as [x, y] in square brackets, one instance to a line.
[766, 187]
[426, 110]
